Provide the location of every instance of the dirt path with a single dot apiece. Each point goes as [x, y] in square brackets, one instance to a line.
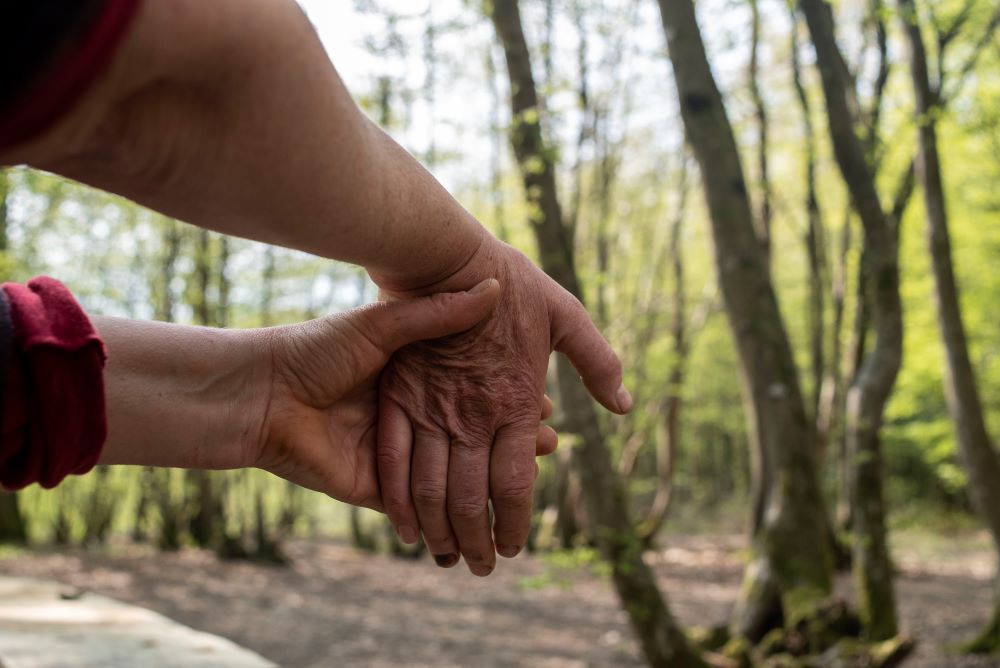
[337, 607]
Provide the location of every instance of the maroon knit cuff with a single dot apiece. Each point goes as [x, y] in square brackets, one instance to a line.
[66, 81]
[54, 414]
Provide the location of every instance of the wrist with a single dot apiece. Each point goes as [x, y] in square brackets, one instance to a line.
[475, 261]
[186, 397]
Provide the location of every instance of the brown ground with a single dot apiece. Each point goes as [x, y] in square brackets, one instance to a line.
[337, 607]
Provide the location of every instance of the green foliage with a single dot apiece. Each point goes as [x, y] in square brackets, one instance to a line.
[563, 568]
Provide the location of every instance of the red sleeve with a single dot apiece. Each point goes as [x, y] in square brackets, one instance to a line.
[63, 82]
[54, 421]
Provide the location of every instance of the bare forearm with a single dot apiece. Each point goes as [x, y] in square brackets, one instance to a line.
[245, 127]
[177, 396]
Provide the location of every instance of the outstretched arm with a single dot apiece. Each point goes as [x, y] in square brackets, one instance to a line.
[299, 400]
[228, 115]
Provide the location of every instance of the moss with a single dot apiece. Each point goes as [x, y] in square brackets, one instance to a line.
[833, 622]
[773, 643]
[851, 653]
[738, 649]
[709, 638]
[784, 661]
[803, 602]
[891, 652]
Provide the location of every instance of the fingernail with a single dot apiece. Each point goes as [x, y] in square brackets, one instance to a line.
[480, 570]
[509, 551]
[624, 400]
[481, 287]
[407, 534]
[446, 560]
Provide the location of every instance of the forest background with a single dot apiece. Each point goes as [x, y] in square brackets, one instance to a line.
[605, 140]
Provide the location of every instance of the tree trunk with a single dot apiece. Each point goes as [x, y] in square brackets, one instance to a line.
[873, 385]
[790, 571]
[667, 445]
[4, 192]
[961, 389]
[815, 243]
[662, 639]
[154, 484]
[99, 510]
[12, 524]
[497, 149]
[206, 524]
[760, 116]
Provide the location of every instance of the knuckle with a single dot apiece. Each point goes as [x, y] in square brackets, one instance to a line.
[471, 440]
[467, 508]
[428, 493]
[441, 299]
[614, 364]
[514, 493]
[574, 304]
[391, 457]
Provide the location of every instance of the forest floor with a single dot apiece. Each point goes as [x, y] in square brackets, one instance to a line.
[335, 606]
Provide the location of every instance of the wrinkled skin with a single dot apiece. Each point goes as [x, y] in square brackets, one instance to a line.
[321, 399]
[459, 415]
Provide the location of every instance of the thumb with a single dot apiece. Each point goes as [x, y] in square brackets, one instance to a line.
[576, 337]
[392, 325]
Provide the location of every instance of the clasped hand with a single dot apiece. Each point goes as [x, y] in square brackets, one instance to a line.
[429, 408]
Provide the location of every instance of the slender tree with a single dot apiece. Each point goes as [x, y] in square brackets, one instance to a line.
[790, 572]
[662, 640]
[871, 388]
[766, 213]
[824, 380]
[206, 524]
[965, 405]
[672, 403]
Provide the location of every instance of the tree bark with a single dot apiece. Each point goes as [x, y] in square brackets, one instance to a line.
[815, 243]
[667, 445]
[790, 572]
[765, 214]
[4, 192]
[13, 528]
[206, 524]
[961, 389]
[876, 378]
[662, 639]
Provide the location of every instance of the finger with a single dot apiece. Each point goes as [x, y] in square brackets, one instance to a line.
[512, 474]
[537, 470]
[546, 441]
[394, 449]
[546, 407]
[598, 365]
[392, 325]
[428, 485]
[468, 502]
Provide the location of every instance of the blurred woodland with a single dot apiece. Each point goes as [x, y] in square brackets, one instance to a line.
[783, 214]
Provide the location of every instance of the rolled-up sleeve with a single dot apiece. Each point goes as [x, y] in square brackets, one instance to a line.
[54, 420]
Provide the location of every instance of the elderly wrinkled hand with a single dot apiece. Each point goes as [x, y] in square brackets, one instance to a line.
[459, 415]
[320, 414]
